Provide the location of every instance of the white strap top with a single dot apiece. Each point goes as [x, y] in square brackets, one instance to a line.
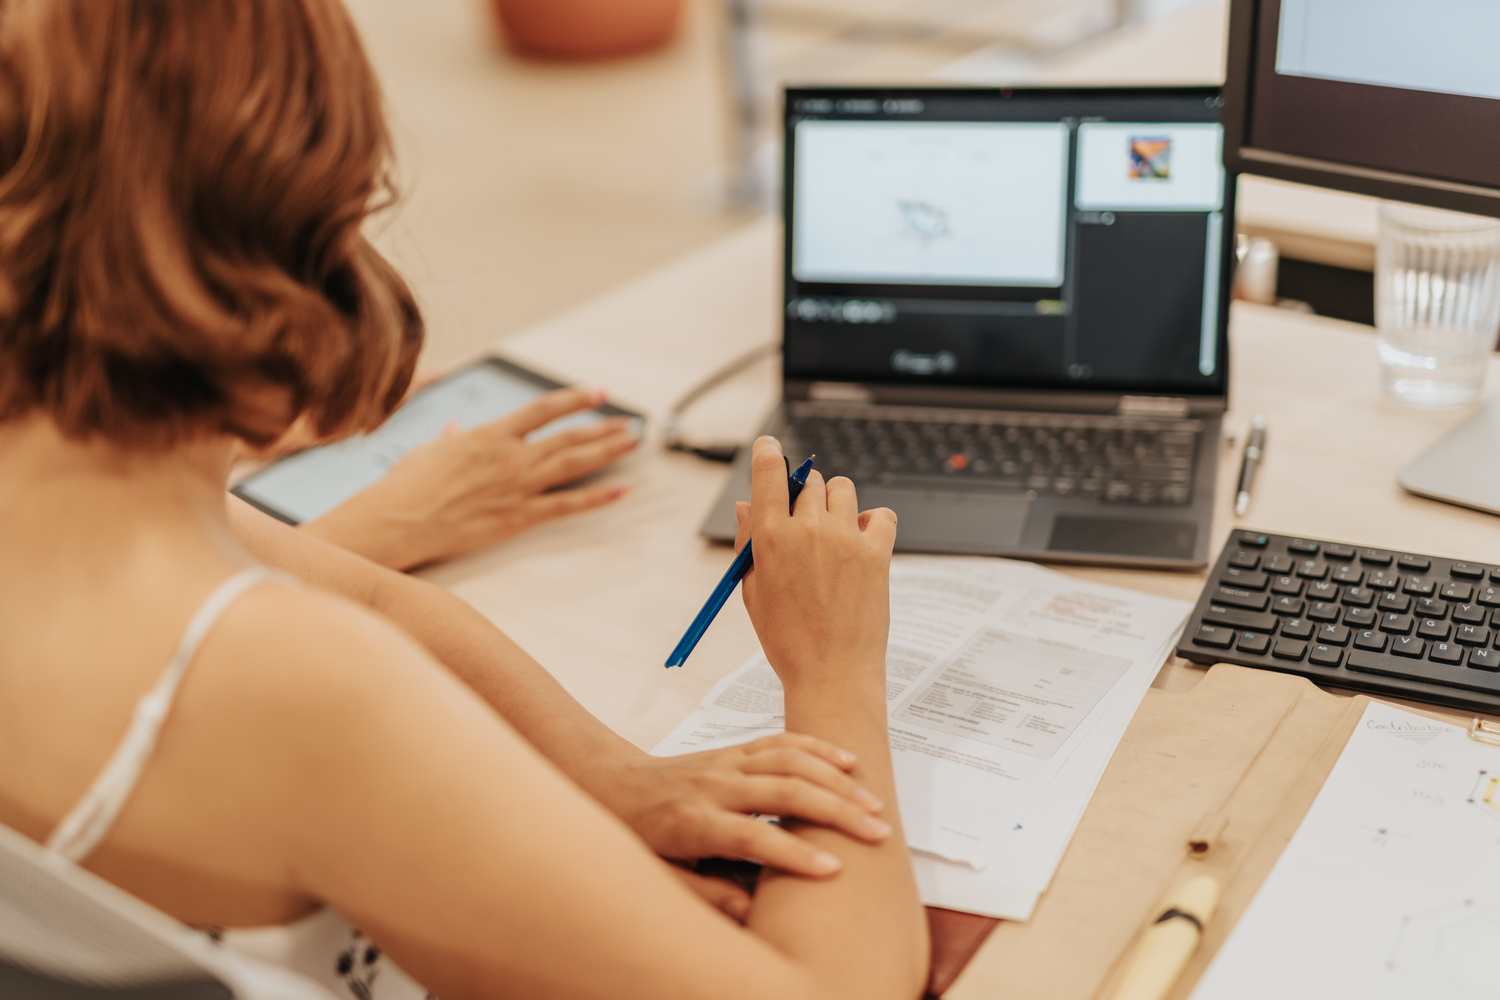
[82, 829]
[323, 945]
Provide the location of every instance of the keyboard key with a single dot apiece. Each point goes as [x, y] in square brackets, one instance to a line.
[1253, 540]
[1360, 617]
[1325, 656]
[1422, 586]
[1322, 591]
[1217, 614]
[1359, 597]
[1431, 628]
[1495, 576]
[1484, 659]
[1472, 635]
[1324, 611]
[1287, 585]
[1447, 652]
[1425, 670]
[1383, 579]
[1405, 645]
[1458, 592]
[1339, 551]
[1244, 560]
[1375, 557]
[1490, 597]
[1349, 574]
[1287, 649]
[1333, 635]
[1256, 643]
[1244, 579]
[1303, 546]
[1416, 564]
[1210, 635]
[1431, 607]
[1312, 569]
[1402, 624]
[1368, 639]
[1297, 628]
[1469, 613]
[1288, 605]
[1237, 598]
[1467, 571]
[1281, 564]
[1399, 603]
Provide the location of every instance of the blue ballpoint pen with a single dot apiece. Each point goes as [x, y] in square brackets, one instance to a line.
[731, 578]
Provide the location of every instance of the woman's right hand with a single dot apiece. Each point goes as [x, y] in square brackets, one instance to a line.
[819, 591]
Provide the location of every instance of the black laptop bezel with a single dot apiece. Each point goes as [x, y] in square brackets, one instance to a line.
[988, 393]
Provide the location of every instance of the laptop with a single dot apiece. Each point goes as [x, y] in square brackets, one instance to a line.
[1005, 315]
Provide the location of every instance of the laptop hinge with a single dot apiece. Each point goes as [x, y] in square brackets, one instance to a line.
[840, 392]
[1152, 406]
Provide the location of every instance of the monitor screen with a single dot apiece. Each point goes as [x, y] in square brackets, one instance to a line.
[1395, 98]
[1012, 238]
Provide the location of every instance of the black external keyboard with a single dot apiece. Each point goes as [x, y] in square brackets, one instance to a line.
[1398, 624]
[1116, 459]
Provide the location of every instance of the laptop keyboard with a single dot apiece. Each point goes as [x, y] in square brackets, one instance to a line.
[1128, 460]
[1393, 623]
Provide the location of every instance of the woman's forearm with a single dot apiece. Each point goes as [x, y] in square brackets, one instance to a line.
[871, 908]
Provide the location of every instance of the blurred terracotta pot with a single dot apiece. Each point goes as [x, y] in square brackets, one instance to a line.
[581, 29]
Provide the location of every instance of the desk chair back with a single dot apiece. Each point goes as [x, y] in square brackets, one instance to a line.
[66, 934]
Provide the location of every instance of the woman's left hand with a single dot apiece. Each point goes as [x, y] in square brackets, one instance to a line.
[702, 805]
[471, 489]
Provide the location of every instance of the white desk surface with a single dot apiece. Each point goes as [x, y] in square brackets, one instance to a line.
[601, 599]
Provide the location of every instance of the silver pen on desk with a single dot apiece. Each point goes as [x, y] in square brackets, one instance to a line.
[1255, 447]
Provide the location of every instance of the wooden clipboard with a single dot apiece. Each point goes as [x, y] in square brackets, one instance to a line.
[1232, 765]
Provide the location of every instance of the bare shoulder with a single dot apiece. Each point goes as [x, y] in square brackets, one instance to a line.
[300, 717]
[298, 689]
[308, 655]
[277, 633]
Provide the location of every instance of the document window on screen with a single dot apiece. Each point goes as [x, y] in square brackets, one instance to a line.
[931, 203]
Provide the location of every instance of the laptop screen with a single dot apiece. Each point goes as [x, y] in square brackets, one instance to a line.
[1007, 238]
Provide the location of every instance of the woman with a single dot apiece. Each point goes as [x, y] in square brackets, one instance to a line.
[181, 271]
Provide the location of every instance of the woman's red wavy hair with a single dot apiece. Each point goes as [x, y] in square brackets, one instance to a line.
[182, 189]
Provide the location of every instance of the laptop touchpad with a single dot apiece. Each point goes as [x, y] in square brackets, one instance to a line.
[1123, 536]
[952, 521]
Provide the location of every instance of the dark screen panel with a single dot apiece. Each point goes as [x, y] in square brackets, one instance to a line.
[1140, 294]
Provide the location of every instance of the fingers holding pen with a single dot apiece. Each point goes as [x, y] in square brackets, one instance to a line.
[741, 524]
[813, 501]
[768, 486]
[879, 525]
[843, 501]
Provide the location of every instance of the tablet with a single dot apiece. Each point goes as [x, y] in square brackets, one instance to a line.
[311, 483]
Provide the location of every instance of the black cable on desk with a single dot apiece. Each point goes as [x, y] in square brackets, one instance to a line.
[715, 451]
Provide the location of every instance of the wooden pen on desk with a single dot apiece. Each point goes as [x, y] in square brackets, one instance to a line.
[1167, 944]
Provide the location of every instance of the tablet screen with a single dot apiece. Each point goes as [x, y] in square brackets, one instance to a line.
[311, 483]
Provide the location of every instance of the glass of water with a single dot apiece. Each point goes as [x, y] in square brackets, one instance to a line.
[1437, 303]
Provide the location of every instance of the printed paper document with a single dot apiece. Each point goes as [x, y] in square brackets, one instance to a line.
[1391, 886]
[997, 673]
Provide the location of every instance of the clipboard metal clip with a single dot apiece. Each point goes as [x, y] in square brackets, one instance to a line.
[1485, 732]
